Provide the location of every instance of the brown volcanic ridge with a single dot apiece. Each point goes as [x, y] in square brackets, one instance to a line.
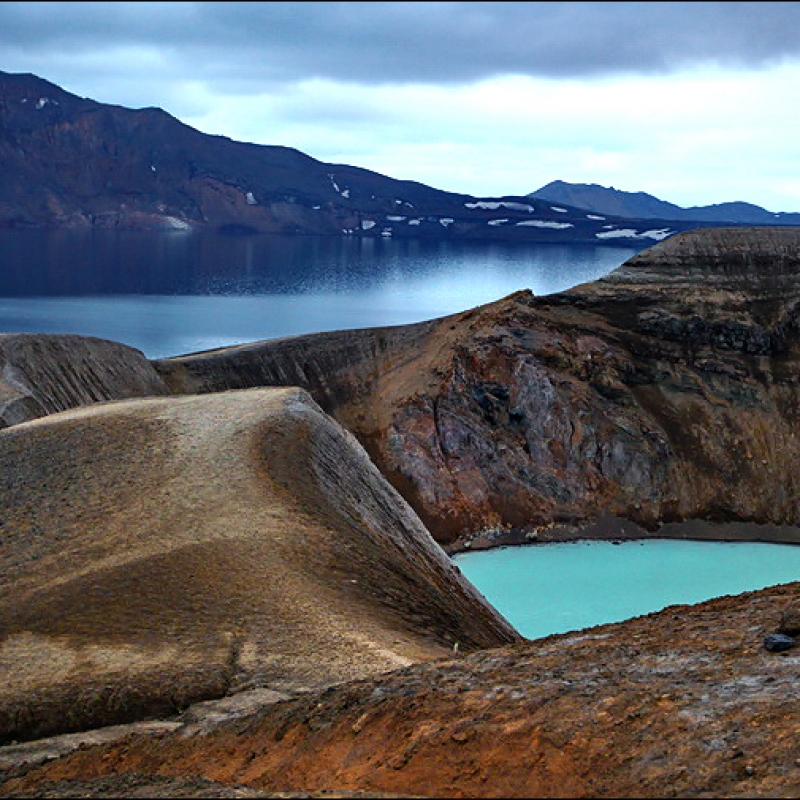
[213, 586]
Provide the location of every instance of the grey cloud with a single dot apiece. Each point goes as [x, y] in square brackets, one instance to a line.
[251, 43]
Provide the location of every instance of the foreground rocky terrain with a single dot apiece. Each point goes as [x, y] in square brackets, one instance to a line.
[214, 586]
[682, 703]
[161, 551]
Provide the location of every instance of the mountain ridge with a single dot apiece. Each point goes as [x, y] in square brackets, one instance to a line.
[67, 161]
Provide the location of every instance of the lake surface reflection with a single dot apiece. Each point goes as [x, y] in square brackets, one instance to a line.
[174, 292]
[555, 588]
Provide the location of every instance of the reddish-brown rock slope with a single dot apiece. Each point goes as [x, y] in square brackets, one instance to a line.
[682, 703]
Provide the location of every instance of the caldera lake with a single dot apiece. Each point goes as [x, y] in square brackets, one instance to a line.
[174, 292]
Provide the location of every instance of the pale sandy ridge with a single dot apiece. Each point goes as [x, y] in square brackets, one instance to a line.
[160, 551]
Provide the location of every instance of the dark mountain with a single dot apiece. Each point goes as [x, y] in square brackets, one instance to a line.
[73, 162]
[608, 200]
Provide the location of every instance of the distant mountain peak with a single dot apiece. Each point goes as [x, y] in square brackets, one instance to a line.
[608, 200]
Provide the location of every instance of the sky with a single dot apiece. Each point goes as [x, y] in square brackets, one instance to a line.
[693, 102]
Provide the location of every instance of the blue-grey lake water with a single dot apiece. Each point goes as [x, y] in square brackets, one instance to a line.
[544, 589]
[174, 292]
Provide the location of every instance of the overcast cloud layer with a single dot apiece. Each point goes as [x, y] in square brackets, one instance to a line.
[693, 102]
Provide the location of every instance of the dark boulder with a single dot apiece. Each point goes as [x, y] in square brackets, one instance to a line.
[778, 642]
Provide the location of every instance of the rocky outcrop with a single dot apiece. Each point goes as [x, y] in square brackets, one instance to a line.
[664, 393]
[161, 551]
[42, 374]
[667, 391]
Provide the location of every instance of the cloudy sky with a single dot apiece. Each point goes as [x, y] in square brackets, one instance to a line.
[696, 103]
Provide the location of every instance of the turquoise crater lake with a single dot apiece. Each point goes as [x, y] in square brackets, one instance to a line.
[544, 589]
